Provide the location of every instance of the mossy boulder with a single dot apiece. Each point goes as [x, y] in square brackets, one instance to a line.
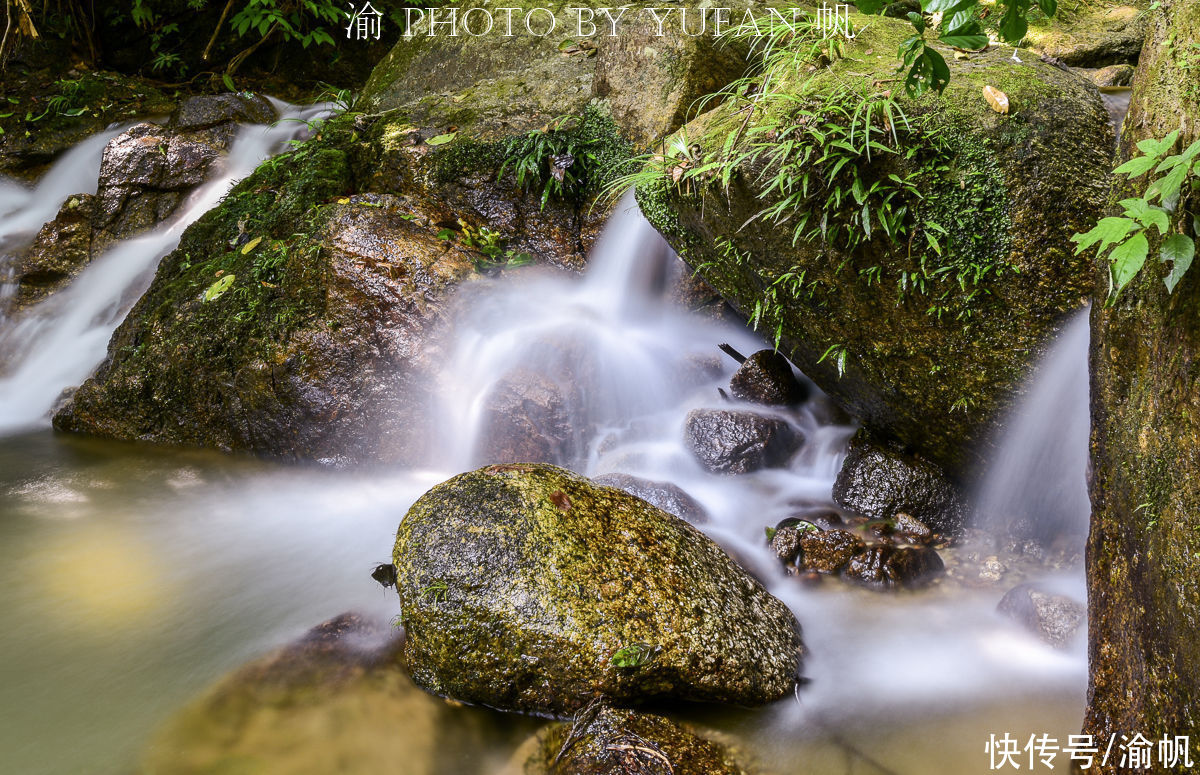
[1090, 33]
[1143, 551]
[608, 741]
[529, 588]
[335, 701]
[927, 348]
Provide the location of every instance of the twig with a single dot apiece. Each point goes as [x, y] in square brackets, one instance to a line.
[212, 41]
[4, 40]
[732, 353]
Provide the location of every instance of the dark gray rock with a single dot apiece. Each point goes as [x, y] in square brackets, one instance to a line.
[61, 249]
[1053, 618]
[668, 497]
[736, 442]
[529, 588]
[207, 111]
[881, 482]
[766, 378]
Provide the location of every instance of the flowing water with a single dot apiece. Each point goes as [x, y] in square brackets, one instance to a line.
[133, 576]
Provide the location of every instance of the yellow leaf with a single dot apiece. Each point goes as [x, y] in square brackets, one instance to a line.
[996, 98]
[251, 245]
[343, 201]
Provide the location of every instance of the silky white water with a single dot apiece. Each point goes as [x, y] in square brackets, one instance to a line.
[58, 343]
[133, 576]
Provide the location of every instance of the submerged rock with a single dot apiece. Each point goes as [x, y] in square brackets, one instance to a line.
[1054, 618]
[328, 703]
[933, 370]
[882, 482]
[529, 588]
[766, 378]
[526, 419]
[607, 741]
[666, 496]
[727, 441]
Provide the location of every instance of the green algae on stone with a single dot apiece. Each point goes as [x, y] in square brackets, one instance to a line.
[608, 741]
[932, 369]
[520, 584]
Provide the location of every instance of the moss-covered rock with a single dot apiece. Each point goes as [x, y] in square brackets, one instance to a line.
[606, 741]
[335, 701]
[1143, 553]
[927, 348]
[529, 588]
[1090, 33]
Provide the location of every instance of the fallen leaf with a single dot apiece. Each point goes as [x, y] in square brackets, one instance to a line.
[441, 139]
[217, 289]
[251, 245]
[996, 98]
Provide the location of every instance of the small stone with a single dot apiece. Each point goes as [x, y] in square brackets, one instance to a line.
[738, 442]
[1053, 618]
[766, 377]
[992, 569]
[786, 543]
[828, 551]
[912, 529]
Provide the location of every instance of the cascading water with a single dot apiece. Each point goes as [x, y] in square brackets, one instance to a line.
[1036, 485]
[145, 575]
[56, 344]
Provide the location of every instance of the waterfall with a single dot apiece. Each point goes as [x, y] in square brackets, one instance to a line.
[58, 343]
[1036, 484]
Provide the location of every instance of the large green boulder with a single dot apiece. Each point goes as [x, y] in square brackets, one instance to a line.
[529, 588]
[1143, 552]
[927, 346]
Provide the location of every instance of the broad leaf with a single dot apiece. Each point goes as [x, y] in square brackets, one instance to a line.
[1156, 148]
[945, 6]
[970, 42]
[217, 289]
[1139, 165]
[1146, 214]
[1013, 25]
[1179, 249]
[441, 139]
[1049, 7]
[1128, 258]
[1106, 232]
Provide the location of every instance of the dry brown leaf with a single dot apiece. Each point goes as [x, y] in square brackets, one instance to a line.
[996, 98]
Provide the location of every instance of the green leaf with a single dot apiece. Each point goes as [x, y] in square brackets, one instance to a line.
[1106, 232]
[1146, 214]
[1156, 148]
[633, 655]
[251, 245]
[1137, 166]
[445, 234]
[945, 7]
[1128, 258]
[1013, 25]
[969, 42]
[227, 79]
[217, 289]
[1049, 7]
[871, 6]
[1179, 249]
[441, 139]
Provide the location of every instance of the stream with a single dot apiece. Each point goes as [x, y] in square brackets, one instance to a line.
[133, 576]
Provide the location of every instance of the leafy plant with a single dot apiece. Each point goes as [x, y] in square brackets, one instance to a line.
[958, 24]
[496, 255]
[69, 100]
[634, 655]
[1126, 237]
[436, 592]
[555, 157]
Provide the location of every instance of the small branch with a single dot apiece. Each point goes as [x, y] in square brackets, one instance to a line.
[220, 23]
[237, 60]
[732, 353]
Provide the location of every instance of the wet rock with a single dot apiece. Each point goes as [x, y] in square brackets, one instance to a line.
[528, 588]
[825, 519]
[327, 703]
[666, 496]
[526, 420]
[605, 741]
[766, 378]
[1112, 76]
[61, 249]
[881, 481]
[738, 442]
[785, 542]
[888, 567]
[207, 111]
[1053, 618]
[828, 551]
[992, 570]
[912, 529]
